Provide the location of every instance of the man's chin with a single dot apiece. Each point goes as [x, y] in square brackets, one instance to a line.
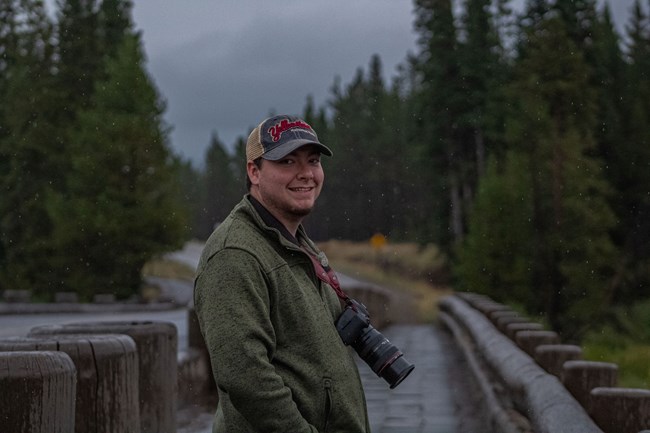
[301, 211]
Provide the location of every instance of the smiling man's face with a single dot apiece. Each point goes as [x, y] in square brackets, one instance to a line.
[288, 187]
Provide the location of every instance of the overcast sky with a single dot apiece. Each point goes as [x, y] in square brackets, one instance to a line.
[223, 66]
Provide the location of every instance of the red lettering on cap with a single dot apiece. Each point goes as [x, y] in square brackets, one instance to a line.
[284, 125]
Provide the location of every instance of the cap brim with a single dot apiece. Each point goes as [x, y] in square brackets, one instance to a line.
[288, 147]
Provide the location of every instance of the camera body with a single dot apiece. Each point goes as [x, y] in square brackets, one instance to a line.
[386, 360]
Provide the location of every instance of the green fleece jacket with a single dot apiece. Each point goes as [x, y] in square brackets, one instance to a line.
[268, 322]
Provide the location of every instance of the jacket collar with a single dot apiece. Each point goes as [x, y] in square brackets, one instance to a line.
[268, 222]
[271, 223]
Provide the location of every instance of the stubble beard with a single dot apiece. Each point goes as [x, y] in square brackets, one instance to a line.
[289, 212]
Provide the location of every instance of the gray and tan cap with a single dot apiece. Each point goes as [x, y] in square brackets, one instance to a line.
[278, 136]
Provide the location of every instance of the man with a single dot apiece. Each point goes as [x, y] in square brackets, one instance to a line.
[264, 304]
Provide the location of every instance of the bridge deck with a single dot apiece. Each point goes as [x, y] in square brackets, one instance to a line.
[435, 398]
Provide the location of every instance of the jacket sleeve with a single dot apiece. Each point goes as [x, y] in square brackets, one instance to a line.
[232, 303]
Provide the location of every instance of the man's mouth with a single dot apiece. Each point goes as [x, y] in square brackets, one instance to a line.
[302, 189]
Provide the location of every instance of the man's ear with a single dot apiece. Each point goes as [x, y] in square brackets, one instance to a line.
[253, 172]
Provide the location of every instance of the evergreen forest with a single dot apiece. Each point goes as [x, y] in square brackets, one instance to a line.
[518, 142]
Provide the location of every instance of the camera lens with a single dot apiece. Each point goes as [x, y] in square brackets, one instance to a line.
[383, 358]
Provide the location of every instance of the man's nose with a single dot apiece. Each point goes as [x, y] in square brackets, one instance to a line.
[305, 171]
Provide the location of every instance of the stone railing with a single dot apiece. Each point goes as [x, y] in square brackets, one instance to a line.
[531, 382]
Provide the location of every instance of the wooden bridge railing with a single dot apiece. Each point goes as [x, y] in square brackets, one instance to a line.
[113, 377]
[533, 383]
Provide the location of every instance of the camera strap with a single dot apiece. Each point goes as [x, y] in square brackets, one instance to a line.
[327, 275]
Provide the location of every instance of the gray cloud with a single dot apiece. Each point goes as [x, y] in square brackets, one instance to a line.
[224, 65]
[238, 62]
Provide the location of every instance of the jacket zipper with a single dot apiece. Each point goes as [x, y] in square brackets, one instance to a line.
[327, 385]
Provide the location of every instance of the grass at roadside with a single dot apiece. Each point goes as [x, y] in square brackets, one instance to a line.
[161, 267]
[406, 268]
[632, 360]
[624, 339]
[165, 268]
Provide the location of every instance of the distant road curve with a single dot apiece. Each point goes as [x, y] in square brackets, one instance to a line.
[191, 253]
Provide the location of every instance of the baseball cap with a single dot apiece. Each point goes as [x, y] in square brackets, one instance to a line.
[280, 135]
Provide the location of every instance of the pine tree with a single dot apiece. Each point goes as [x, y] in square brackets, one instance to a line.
[114, 22]
[495, 258]
[375, 162]
[565, 250]
[222, 190]
[122, 206]
[79, 51]
[239, 163]
[381, 154]
[440, 106]
[580, 19]
[394, 170]
[31, 162]
[608, 79]
[349, 143]
[632, 161]
[570, 214]
[193, 195]
[479, 69]
[483, 75]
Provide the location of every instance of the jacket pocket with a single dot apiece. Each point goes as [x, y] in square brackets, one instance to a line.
[328, 403]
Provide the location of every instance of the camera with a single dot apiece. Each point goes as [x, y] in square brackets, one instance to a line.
[386, 360]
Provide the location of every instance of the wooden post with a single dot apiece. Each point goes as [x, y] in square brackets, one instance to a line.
[551, 357]
[503, 322]
[513, 328]
[66, 297]
[580, 377]
[378, 308]
[496, 315]
[157, 348]
[195, 379]
[196, 341]
[528, 340]
[618, 410]
[194, 335]
[489, 307]
[107, 376]
[38, 392]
